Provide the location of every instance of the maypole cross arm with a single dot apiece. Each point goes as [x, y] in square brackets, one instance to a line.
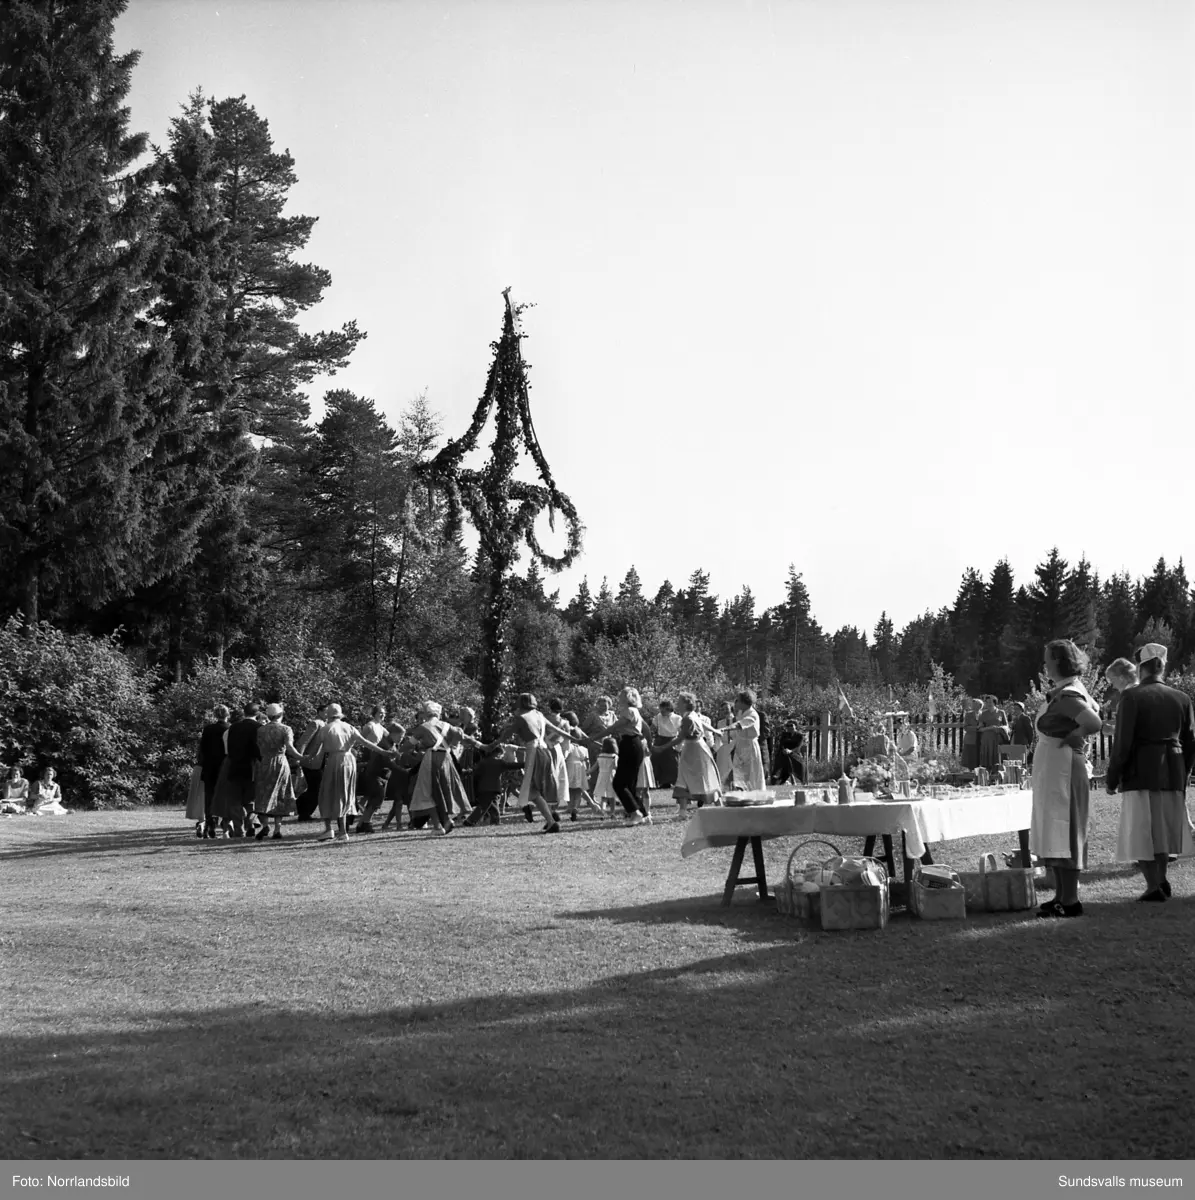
[502, 509]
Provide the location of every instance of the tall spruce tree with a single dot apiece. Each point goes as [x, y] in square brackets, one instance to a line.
[1046, 610]
[1120, 622]
[966, 628]
[265, 290]
[208, 459]
[84, 395]
[580, 606]
[999, 612]
[883, 648]
[1080, 597]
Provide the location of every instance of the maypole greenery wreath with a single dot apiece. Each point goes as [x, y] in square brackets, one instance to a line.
[502, 510]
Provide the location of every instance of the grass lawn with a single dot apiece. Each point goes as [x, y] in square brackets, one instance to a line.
[500, 994]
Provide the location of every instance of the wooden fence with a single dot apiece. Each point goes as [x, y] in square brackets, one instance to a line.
[830, 739]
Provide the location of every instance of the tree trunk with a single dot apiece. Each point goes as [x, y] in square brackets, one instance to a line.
[29, 596]
[174, 653]
[493, 629]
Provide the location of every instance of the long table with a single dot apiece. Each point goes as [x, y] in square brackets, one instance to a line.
[919, 822]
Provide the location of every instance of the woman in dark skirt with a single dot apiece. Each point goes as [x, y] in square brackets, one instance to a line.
[628, 734]
[665, 746]
[970, 748]
[992, 725]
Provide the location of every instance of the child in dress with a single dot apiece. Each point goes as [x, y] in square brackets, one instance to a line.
[603, 791]
[489, 781]
[47, 797]
[647, 781]
[576, 762]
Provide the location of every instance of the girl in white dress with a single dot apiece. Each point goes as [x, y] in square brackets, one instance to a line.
[724, 748]
[576, 763]
[603, 791]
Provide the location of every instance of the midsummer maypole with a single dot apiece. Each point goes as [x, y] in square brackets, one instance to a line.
[502, 509]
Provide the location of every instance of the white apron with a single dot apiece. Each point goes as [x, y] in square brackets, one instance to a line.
[1050, 825]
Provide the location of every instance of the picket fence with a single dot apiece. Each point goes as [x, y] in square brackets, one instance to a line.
[830, 739]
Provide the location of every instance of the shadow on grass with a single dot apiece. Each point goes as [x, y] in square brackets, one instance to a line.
[821, 1047]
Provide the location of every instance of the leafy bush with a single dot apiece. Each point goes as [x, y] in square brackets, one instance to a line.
[77, 703]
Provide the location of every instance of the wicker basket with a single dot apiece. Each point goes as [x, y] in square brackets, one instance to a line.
[858, 907]
[937, 904]
[992, 890]
[790, 900]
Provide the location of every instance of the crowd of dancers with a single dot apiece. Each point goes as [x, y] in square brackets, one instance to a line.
[251, 773]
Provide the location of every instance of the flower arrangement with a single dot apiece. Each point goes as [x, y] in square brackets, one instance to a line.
[927, 771]
[872, 775]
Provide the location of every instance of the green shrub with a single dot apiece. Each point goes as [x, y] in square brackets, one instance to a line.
[77, 703]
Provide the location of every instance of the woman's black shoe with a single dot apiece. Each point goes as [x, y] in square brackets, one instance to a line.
[553, 828]
[1051, 908]
[1166, 888]
[1155, 896]
[527, 813]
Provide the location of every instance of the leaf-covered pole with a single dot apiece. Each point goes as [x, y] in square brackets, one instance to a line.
[502, 509]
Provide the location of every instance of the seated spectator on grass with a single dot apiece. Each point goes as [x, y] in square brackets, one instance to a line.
[786, 763]
[46, 799]
[16, 792]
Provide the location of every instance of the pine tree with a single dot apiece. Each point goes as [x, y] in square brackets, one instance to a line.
[1080, 617]
[999, 611]
[1119, 617]
[805, 645]
[630, 591]
[84, 397]
[208, 458]
[914, 650]
[580, 606]
[1046, 611]
[665, 597]
[884, 648]
[265, 291]
[692, 603]
[966, 628]
[265, 287]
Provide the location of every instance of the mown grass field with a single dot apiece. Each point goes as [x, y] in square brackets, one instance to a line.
[498, 993]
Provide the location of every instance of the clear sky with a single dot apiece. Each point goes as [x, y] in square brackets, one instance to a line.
[876, 287]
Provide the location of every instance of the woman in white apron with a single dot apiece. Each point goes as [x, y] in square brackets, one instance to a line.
[746, 761]
[697, 773]
[438, 785]
[1058, 827]
[540, 785]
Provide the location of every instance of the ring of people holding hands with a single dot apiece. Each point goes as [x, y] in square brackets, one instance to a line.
[251, 772]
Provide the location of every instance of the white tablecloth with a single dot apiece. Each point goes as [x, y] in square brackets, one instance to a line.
[923, 822]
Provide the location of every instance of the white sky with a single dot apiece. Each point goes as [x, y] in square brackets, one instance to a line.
[872, 287]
